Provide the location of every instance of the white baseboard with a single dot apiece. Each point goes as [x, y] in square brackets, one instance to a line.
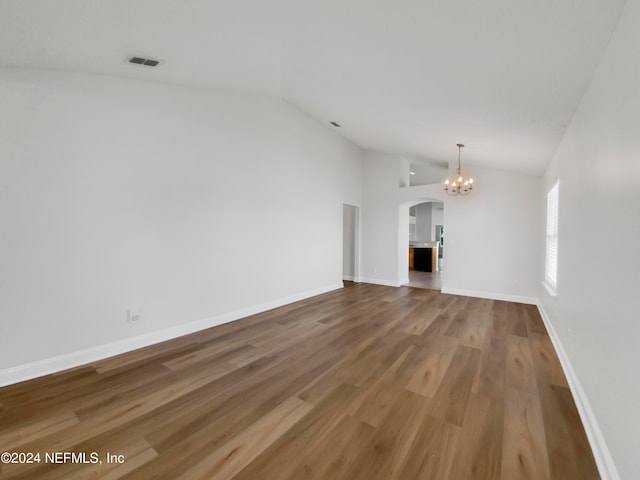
[601, 453]
[380, 281]
[58, 363]
[491, 295]
[349, 278]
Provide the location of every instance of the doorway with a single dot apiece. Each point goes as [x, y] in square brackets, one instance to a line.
[350, 243]
[426, 239]
[440, 240]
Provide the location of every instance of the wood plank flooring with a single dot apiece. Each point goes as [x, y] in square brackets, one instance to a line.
[367, 382]
[425, 279]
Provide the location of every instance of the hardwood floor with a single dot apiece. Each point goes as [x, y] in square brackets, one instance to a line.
[425, 279]
[367, 382]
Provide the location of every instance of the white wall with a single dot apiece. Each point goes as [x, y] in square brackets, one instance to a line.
[425, 173]
[187, 203]
[428, 215]
[595, 313]
[423, 222]
[437, 218]
[492, 236]
[379, 219]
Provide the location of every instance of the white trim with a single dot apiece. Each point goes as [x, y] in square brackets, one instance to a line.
[58, 363]
[405, 281]
[551, 239]
[349, 278]
[379, 281]
[491, 295]
[606, 467]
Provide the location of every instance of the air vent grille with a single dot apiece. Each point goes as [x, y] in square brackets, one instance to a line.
[148, 62]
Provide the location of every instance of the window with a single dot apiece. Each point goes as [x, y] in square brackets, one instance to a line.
[551, 255]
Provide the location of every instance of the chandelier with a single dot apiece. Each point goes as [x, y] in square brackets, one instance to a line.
[459, 186]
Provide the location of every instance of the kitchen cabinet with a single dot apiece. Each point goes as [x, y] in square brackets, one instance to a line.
[423, 256]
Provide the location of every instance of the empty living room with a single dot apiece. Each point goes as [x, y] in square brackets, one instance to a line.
[210, 212]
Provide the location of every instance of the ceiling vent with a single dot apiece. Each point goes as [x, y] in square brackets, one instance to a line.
[149, 62]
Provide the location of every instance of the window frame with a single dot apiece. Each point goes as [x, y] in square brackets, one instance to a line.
[551, 241]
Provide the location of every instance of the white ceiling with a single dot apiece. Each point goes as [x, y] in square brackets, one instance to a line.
[412, 77]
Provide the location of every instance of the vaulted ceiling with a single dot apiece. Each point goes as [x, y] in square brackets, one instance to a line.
[412, 77]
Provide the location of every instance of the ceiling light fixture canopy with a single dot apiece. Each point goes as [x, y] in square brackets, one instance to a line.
[459, 186]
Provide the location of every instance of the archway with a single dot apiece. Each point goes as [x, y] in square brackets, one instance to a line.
[420, 242]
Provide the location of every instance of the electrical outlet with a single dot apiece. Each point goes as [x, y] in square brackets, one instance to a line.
[133, 314]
